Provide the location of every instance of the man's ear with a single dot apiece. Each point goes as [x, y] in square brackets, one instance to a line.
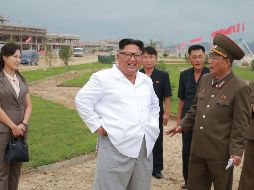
[4, 58]
[228, 62]
[117, 56]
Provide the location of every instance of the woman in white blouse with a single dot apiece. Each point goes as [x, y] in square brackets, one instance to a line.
[15, 111]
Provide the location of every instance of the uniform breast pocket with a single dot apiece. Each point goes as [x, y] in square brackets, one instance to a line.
[223, 103]
[201, 96]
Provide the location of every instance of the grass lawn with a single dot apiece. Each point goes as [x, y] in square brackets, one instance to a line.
[56, 133]
[79, 81]
[44, 73]
[174, 73]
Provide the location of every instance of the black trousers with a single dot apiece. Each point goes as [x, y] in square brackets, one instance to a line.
[158, 150]
[186, 139]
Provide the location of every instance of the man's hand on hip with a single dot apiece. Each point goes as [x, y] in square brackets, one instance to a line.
[102, 131]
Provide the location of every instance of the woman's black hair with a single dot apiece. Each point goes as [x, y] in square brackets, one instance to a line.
[9, 49]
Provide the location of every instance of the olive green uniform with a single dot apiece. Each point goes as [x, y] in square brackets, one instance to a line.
[247, 175]
[219, 117]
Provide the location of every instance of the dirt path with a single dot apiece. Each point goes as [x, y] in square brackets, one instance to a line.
[78, 173]
[49, 89]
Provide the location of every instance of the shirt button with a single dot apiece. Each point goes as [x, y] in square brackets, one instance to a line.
[203, 116]
[212, 96]
[208, 106]
[201, 127]
[217, 86]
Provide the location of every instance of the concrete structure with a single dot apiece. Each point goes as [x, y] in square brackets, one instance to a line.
[57, 40]
[27, 37]
[33, 37]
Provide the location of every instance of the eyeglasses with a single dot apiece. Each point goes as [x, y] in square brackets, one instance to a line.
[128, 55]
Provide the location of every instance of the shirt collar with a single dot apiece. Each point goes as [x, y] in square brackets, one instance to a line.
[221, 82]
[14, 78]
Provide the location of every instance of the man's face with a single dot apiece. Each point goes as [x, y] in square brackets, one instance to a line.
[219, 66]
[149, 61]
[129, 60]
[197, 59]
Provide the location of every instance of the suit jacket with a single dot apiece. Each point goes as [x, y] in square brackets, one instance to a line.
[219, 117]
[250, 133]
[13, 106]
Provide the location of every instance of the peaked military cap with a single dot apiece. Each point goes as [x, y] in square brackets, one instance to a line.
[227, 48]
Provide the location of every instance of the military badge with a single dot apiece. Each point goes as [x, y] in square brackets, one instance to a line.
[223, 97]
[203, 91]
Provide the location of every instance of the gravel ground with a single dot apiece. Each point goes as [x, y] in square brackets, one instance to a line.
[78, 173]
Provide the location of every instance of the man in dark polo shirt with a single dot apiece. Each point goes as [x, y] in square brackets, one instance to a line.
[188, 83]
[162, 88]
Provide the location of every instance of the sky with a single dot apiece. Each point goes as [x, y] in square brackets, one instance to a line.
[169, 21]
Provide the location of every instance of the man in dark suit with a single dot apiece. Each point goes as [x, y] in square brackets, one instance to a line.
[247, 175]
[162, 88]
[187, 88]
[219, 117]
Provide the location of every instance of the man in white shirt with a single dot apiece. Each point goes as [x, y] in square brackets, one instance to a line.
[122, 107]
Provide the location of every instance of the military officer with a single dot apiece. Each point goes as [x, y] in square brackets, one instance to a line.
[219, 117]
[246, 180]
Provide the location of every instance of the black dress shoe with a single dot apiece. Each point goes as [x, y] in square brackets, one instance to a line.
[157, 175]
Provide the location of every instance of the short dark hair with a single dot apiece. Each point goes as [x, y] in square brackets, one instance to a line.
[150, 50]
[196, 47]
[128, 41]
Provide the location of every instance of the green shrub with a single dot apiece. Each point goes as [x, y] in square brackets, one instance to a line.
[65, 54]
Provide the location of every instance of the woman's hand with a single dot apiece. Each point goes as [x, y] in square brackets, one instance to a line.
[18, 130]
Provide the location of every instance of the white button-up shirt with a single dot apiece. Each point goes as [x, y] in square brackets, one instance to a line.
[127, 111]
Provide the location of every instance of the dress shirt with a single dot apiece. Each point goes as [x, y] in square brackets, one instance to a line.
[14, 82]
[127, 111]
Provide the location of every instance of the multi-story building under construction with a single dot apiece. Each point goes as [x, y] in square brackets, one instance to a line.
[33, 37]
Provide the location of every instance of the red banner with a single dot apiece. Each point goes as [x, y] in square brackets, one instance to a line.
[183, 44]
[194, 40]
[28, 40]
[229, 30]
[238, 27]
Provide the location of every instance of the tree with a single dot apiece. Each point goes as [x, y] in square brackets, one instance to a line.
[165, 55]
[152, 44]
[49, 55]
[65, 54]
[252, 65]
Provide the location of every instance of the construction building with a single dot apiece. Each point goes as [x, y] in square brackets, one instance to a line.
[33, 37]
